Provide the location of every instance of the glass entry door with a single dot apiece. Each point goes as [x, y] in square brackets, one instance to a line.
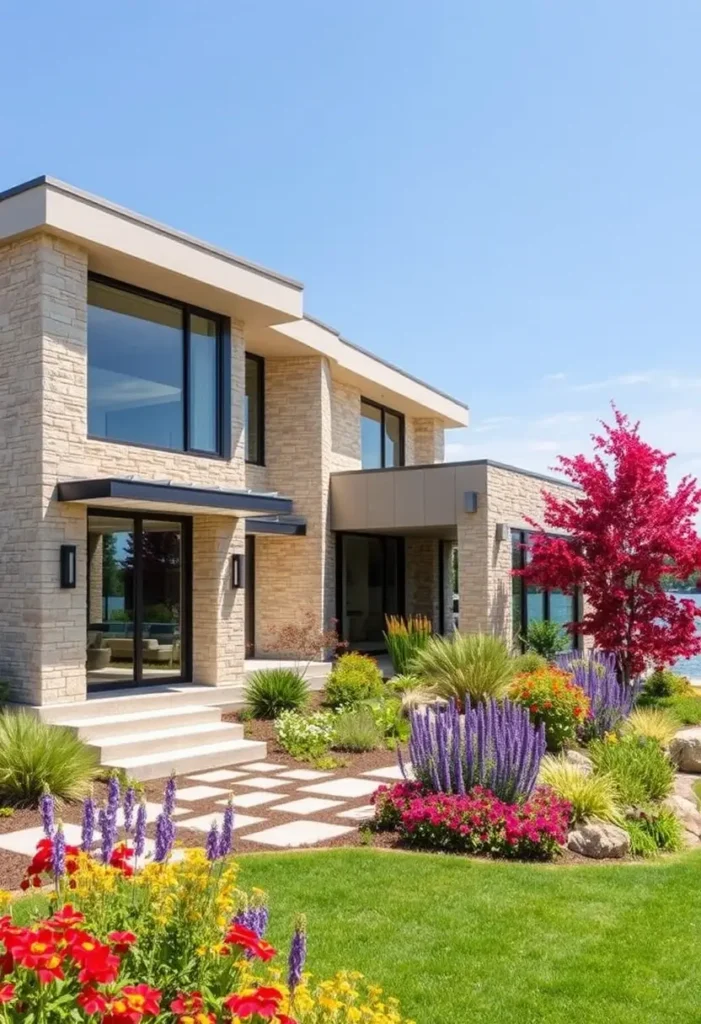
[138, 599]
[370, 586]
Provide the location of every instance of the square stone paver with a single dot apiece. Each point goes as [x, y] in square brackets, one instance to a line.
[364, 813]
[306, 805]
[252, 799]
[263, 766]
[297, 833]
[25, 841]
[219, 775]
[388, 773]
[152, 812]
[305, 775]
[343, 788]
[204, 822]
[262, 782]
[200, 792]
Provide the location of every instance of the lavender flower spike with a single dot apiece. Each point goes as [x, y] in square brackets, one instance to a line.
[165, 834]
[128, 806]
[59, 853]
[113, 797]
[212, 847]
[47, 814]
[298, 953]
[140, 831]
[169, 796]
[88, 825]
[227, 830]
[108, 830]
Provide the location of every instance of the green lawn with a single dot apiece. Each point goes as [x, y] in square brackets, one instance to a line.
[498, 943]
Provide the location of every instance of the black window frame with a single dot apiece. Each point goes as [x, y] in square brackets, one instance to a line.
[223, 389]
[384, 538]
[260, 374]
[522, 541]
[384, 409]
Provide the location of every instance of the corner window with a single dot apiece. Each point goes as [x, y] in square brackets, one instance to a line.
[255, 410]
[530, 603]
[158, 371]
[381, 436]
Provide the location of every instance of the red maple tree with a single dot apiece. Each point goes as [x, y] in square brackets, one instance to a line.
[625, 531]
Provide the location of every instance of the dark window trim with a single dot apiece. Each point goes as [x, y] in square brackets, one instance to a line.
[401, 571]
[223, 420]
[186, 663]
[260, 369]
[250, 597]
[523, 536]
[441, 586]
[402, 432]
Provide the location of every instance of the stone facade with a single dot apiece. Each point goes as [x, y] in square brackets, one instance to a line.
[429, 441]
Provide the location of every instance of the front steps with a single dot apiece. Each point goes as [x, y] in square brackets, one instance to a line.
[151, 733]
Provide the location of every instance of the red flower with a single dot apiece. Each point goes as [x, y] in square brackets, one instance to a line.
[246, 938]
[261, 1001]
[121, 941]
[92, 1001]
[187, 1002]
[66, 917]
[142, 998]
[120, 859]
[7, 992]
[282, 1018]
[29, 948]
[50, 969]
[96, 960]
[198, 1018]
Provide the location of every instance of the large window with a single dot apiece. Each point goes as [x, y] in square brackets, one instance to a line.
[531, 603]
[255, 409]
[158, 371]
[381, 436]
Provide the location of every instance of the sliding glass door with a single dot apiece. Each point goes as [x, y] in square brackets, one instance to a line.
[138, 599]
[370, 586]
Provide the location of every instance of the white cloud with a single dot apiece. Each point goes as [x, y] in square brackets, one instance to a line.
[555, 376]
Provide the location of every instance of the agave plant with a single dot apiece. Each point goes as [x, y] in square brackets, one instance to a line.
[474, 667]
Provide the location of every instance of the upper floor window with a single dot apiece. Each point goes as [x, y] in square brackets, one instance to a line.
[158, 371]
[255, 409]
[381, 436]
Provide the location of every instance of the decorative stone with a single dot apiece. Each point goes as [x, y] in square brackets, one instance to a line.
[579, 760]
[599, 840]
[687, 812]
[685, 749]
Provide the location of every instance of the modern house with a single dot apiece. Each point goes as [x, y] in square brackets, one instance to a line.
[190, 463]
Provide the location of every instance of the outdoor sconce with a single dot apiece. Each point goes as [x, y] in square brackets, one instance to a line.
[68, 565]
[236, 572]
[503, 531]
[470, 501]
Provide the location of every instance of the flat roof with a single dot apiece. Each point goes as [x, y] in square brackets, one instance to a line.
[157, 494]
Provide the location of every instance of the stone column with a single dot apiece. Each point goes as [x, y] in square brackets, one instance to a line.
[218, 610]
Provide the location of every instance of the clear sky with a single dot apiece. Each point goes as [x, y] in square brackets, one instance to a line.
[503, 198]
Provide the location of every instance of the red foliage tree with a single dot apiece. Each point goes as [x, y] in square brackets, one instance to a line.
[625, 531]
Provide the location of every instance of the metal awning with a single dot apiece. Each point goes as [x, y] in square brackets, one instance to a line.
[169, 496]
[278, 526]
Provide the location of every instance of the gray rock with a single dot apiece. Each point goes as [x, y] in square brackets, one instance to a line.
[579, 760]
[687, 812]
[685, 749]
[599, 839]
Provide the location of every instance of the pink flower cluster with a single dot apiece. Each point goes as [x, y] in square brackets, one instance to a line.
[476, 823]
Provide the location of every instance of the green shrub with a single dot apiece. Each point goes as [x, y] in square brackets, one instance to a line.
[546, 638]
[477, 666]
[356, 729]
[390, 720]
[354, 679]
[36, 757]
[404, 683]
[553, 699]
[306, 737]
[591, 796]
[654, 830]
[272, 690]
[529, 662]
[652, 723]
[686, 710]
[663, 683]
[640, 769]
[404, 637]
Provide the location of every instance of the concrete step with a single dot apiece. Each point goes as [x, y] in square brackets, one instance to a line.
[124, 744]
[131, 724]
[137, 700]
[187, 759]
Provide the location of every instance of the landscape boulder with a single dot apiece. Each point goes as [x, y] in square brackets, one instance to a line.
[599, 840]
[687, 812]
[579, 760]
[685, 749]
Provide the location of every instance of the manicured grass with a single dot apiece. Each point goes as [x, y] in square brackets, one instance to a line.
[462, 940]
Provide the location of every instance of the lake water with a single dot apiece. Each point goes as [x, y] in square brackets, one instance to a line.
[691, 666]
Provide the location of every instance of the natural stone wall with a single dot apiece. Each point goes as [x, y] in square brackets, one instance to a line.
[345, 427]
[429, 441]
[217, 609]
[422, 578]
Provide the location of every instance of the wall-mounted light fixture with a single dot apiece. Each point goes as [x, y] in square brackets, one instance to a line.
[503, 531]
[470, 501]
[69, 559]
[237, 572]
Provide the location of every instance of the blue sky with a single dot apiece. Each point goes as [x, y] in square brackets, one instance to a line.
[505, 199]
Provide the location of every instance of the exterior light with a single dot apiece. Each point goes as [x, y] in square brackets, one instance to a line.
[503, 531]
[68, 565]
[470, 501]
[237, 572]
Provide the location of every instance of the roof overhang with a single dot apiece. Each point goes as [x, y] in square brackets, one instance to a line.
[277, 526]
[124, 245]
[157, 496]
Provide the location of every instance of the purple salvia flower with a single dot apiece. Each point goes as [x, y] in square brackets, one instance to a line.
[113, 795]
[227, 831]
[212, 845]
[610, 701]
[88, 831]
[261, 920]
[128, 806]
[108, 832]
[169, 796]
[47, 805]
[58, 856]
[140, 830]
[298, 953]
[165, 836]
